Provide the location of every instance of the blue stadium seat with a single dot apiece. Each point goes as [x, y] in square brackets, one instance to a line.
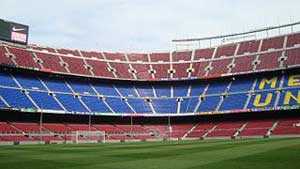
[218, 87]
[234, 102]
[6, 80]
[29, 82]
[188, 105]
[165, 105]
[95, 104]
[82, 87]
[145, 91]
[56, 85]
[44, 100]
[71, 103]
[197, 89]
[209, 103]
[241, 85]
[180, 90]
[118, 105]
[162, 90]
[126, 90]
[2, 104]
[15, 98]
[105, 89]
[139, 105]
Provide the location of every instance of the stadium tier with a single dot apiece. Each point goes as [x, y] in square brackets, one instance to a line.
[268, 54]
[12, 131]
[240, 78]
[30, 92]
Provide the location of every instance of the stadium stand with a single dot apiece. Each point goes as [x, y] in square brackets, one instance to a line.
[257, 128]
[238, 58]
[245, 77]
[201, 130]
[287, 127]
[29, 91]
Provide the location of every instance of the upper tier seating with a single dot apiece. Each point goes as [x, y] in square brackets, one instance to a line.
[91, 54]
[272, 43]
[279, 52]
[75, 65]
[137, 57]
[50, 62]
[243, 64]
[226, 51]
[5, 58]
[23, 58]
[248, 47]
[68, 52]
[181, 56]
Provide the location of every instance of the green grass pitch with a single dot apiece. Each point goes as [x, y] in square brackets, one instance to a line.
[210, 154]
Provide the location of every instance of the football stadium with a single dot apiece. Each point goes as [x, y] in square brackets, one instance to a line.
[228, 100]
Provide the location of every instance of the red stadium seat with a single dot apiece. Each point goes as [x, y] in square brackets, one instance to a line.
[181, 56]
[269, 61]
[50, 62]
[203, 54]
[76, 65]
[248, 47]
[272, 43]
[243, 64]
[226, 51]
[24, 58]
[4, 57]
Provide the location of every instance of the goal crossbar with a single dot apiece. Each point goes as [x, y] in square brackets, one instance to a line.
[82, 136]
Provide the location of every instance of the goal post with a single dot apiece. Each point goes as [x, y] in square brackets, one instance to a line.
[82, 136]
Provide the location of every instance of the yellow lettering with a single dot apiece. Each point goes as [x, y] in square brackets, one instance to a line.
[294, 80]
[289, 95]
[272, 82]
[259, 103]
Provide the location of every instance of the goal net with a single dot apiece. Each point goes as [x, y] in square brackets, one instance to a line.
[88, 136]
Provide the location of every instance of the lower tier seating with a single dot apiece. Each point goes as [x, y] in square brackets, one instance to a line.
[257, 128]
[287, 127]
[12, 131]
[225, 129]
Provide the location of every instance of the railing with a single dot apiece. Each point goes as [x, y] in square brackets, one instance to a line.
[211, 41]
